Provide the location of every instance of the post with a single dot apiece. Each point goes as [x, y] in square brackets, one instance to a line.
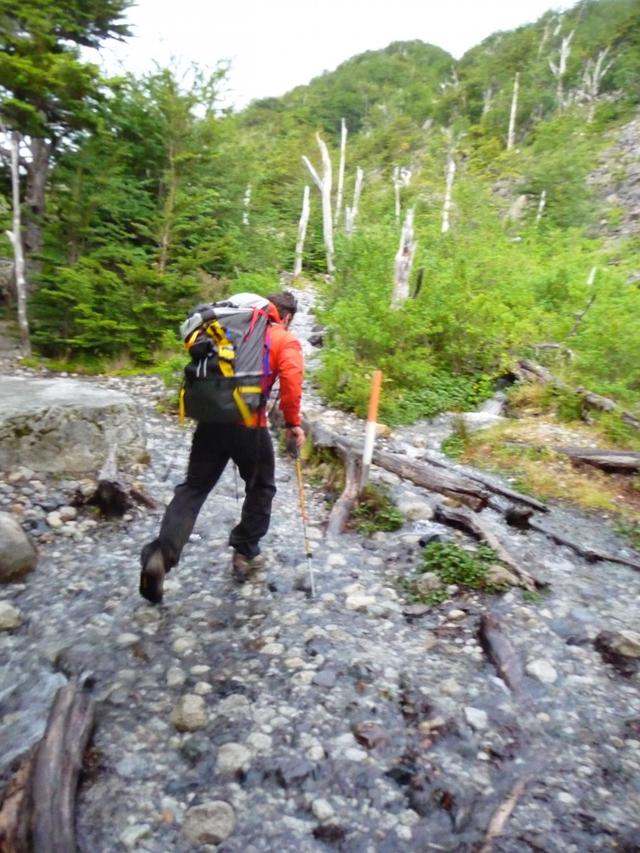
[370, 430]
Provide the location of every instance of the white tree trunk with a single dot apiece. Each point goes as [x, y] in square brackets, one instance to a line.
[592, 276]
[487, 100]
[15, 236]
[560, 69]
[514, 111]
[324, 185]
[446, 207]
[401, 178]
[343, 154]
[592, 79]
[352, 212]
[404, 262]
[541, 204]
[302, 231]
[246, 204]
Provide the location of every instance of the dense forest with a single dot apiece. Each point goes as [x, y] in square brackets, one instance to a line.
[508, 174]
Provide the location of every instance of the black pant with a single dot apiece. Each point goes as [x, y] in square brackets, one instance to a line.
[212, 447]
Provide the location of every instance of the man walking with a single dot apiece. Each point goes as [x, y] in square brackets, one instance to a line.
[251, 449]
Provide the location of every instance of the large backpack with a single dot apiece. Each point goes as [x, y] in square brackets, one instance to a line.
[227, 379]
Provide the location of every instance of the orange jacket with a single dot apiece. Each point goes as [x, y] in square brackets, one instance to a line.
[285, 361]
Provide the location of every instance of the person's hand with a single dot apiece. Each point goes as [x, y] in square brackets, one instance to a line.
[295, 438]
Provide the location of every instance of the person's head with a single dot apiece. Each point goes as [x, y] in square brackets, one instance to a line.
[286, 304]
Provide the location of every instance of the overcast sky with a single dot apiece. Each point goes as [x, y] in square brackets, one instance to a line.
[274, 45]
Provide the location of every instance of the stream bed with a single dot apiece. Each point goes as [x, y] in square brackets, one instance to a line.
[254, 718]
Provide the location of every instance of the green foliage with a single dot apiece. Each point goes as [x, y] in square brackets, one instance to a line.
[630, 531]
[453, 565]
[374, 510]
[456, 443]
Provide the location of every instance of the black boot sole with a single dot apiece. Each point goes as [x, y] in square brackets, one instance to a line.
[152, 578]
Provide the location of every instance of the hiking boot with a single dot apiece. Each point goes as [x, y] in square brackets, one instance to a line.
[243, 567]
[152, 576]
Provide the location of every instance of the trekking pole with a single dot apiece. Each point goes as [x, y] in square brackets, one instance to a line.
[235, 482]
[295, 453]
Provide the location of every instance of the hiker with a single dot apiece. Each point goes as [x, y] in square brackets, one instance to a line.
[250, 448]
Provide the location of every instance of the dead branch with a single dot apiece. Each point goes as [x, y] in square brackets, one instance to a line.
[503, 813]
[474, 524]
[341, 510]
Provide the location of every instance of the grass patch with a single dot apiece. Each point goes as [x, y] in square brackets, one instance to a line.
[450, 564]
[455, 445]
[373, 511]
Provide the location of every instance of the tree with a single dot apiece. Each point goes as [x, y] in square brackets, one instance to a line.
[46, 90]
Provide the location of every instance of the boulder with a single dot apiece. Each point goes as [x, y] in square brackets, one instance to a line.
[18, 557]
[65, 426]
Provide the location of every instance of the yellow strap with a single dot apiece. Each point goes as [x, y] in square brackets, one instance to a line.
[189, 343]
[250, 389]
[225, 347]
[181, 409]
[249, 418]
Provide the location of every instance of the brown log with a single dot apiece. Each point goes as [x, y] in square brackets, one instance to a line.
[14, 811]
[474, 524]
[501, 653]
[56, 769]
[453, 485]
[37, 811]
[620, 461]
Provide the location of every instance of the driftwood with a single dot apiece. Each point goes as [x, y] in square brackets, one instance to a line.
[501, 653]
[37, 812]
[474, 524]
[493, 487]
[341, 510]
[619, 461]
[422, 474]
[530, 371]
[613, 461]
[112, 495]
[503, 813]
[592, 555]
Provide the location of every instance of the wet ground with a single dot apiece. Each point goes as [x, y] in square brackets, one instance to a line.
[258, 719]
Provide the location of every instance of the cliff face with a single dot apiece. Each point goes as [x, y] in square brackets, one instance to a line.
[616, 182]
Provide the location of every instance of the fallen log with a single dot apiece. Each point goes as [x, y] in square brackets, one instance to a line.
[37, 811]
[493, 487]
[616, 461]
[474, 524]
[592, 555]
[453, 485]
[530, 371]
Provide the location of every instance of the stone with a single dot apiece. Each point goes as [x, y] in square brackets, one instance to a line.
[322, 809]
[370, 734]
[10, 616]
[476, 718]
[233, 758]
[359, 601]
[133, 834]
[428, 582]
[415, 509]
[189, 714]
[209, 823]
[542, 670]
[18, 557]
[456, 615]
[66, 425]
[626, 643]
[499, 575]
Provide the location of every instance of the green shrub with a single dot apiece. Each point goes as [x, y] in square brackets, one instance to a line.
[374, 510]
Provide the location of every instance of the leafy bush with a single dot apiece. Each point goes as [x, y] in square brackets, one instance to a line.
[374, 511]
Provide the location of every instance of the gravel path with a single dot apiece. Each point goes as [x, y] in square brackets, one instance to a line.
[253, 718]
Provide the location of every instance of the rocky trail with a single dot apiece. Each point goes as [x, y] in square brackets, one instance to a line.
[254, 718]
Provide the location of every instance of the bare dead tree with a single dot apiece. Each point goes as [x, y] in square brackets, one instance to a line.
[487, 99]
[15, 236]
[541, 204]
[302, 231]
[351, 213]
[559, 69]
[451, 173]
[343, 152]
[324, 186]
[246, 205]
[401, 178]
[404, 262]
[592, 79]
[511, 136]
